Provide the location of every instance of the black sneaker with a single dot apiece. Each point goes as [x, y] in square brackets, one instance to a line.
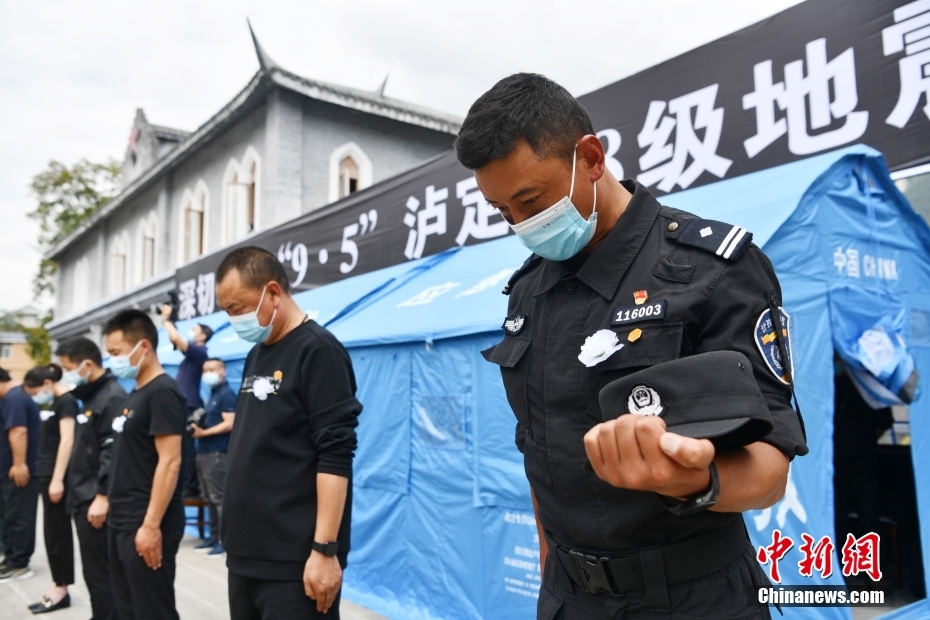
[15, 573]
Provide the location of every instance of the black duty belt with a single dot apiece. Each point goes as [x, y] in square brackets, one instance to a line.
[683, 561]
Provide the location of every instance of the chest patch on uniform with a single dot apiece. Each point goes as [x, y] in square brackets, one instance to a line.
[645, 400]
[514, 326]
[767, 336]
[636, 314]
[724, 240]
[81, 418]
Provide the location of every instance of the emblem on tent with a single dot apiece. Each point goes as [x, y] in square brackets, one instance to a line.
[514, 326]
[767, 337]
[645, 400]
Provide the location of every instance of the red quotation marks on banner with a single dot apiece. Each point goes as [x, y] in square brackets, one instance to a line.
[297, 254]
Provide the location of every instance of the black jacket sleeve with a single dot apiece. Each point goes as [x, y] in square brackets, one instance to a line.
[733, 308]
[328, 383]
[106, 436]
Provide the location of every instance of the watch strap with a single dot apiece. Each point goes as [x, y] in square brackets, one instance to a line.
[695, 504]
[328, 549]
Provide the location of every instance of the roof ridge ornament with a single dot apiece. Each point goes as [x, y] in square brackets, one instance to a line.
[380, 91]
[264, 60]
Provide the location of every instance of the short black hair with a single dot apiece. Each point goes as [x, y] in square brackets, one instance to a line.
[135, 325]
[207, 331]
[523, 106]
[40, 374]
[215, 359]
[5, 376]
[256, 266]
[79, 349]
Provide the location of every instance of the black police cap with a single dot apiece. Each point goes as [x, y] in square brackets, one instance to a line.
[707, 396]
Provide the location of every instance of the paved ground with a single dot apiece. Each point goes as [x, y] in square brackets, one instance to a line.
[200, 588]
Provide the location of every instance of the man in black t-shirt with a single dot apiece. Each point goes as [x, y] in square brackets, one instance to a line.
[146, 514]
[286, 509]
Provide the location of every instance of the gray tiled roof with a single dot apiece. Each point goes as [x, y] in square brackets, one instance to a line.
[270, 74]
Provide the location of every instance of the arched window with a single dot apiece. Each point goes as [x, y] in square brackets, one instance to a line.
[148, 234]
[194, 208]
[349, 171]
[80, 284]
[241, 196]
[117, 260]
[348, 177]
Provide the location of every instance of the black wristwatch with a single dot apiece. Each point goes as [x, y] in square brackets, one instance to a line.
[695, 504]
[328, 549]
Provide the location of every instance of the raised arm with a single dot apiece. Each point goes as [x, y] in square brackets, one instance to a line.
[179, 342]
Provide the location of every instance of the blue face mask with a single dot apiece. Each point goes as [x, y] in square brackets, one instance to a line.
[247, 326]
[122, 366]
[74, 377]
[43, 398]
[210, 379]
[559, 232]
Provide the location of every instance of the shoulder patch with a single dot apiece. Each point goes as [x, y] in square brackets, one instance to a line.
[531, 260]
[725, 240]
[766, 337]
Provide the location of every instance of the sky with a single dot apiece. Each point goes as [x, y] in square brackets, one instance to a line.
[73, 73]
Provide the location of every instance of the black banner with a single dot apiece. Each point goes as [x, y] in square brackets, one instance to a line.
[819, 76]
[415, 214]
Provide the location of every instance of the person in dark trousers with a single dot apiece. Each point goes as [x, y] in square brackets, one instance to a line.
[146, 520]
[56, 438]
[19, 487]
[101, 397]
[194, 349]
[212, 445]
[616, 283]
[286, 510]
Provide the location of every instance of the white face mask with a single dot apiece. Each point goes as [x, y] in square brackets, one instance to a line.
[74, 377]
[559, 232]
[247, 326]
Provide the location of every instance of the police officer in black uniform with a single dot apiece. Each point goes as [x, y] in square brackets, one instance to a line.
[635, 522]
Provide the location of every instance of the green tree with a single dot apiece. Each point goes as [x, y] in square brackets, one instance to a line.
[67, 197]
[38, 340]
[9, 322]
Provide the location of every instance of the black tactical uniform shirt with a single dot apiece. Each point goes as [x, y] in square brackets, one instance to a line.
[699, 301]
[92, 454]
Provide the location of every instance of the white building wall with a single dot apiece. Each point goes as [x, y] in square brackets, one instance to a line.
[391, 146]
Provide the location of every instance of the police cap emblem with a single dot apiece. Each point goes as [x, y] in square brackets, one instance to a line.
[514, 326]
[644, 400]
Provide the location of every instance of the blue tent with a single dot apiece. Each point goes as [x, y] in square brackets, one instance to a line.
[442, 521]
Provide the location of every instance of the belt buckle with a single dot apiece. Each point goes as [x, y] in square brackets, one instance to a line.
[594, 572]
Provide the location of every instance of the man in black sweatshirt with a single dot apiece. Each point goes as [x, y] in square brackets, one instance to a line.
[88, 475]
[286, 511]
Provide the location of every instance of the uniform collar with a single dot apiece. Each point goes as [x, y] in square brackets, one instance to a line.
[86, 391]
[606, 265]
